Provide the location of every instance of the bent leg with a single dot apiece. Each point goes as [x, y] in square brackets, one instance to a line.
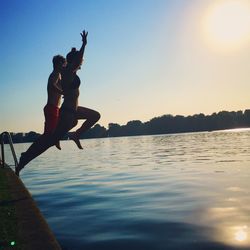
[91, 117]
[42, 143]
[45, 141]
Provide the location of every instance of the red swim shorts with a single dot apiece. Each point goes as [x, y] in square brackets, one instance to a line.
[51, 114]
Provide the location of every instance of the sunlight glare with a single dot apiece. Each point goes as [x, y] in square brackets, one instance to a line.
[226, 25]
[241, 234]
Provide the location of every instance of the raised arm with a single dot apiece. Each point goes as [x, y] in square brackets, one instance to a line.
[78, 61]
[84, 35]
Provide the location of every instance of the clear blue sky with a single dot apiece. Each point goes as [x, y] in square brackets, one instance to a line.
[144, 58]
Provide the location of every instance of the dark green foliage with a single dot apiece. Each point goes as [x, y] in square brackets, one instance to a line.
[161, 125]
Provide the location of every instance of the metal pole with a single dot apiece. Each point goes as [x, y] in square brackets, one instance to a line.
[12, 148]
[2, 150]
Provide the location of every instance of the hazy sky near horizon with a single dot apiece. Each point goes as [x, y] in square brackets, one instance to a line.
[143, 59]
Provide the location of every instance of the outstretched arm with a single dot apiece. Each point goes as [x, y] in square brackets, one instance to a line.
[84, 35]
[77, 64]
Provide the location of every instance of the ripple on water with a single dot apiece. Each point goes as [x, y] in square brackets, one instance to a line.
[183, 191]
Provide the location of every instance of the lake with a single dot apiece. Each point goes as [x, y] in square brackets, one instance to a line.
[176, 191]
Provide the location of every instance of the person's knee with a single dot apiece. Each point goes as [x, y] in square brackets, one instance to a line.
[97, 116]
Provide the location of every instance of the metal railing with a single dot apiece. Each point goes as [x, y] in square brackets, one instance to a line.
[11, 147]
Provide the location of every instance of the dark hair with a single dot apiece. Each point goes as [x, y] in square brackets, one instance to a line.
[72, 55]
[58, 60]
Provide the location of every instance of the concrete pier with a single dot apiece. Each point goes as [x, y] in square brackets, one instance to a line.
[25, 222]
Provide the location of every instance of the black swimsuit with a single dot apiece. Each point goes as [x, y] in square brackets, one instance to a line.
[74, 85]
[76, 82]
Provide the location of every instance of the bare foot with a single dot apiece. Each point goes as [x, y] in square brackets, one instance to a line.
[20, 165]
[58, 145]
[76, 140]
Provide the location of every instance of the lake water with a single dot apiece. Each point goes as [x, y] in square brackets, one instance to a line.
[179, 191]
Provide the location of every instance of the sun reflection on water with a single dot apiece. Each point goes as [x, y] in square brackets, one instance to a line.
[230, 225]
[241, 233]
[233, 235]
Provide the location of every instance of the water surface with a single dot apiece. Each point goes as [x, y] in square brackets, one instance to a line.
[179, 191]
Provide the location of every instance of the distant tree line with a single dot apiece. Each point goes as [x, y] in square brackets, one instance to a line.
[180, 124]
[160, 125]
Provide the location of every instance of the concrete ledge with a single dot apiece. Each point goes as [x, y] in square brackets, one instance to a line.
[32, 228]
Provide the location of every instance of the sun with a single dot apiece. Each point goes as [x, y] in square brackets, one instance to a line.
[226, 24]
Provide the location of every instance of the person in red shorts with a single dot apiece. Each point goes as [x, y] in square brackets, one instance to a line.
[54, 89]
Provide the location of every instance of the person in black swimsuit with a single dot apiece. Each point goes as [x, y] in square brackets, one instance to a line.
[70, 112]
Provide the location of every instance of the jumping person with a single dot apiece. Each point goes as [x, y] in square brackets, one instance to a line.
[69, 112]
[54, 90]
[70, 85]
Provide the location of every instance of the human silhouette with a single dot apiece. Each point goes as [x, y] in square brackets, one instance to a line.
[54, 90]
[69, 111]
